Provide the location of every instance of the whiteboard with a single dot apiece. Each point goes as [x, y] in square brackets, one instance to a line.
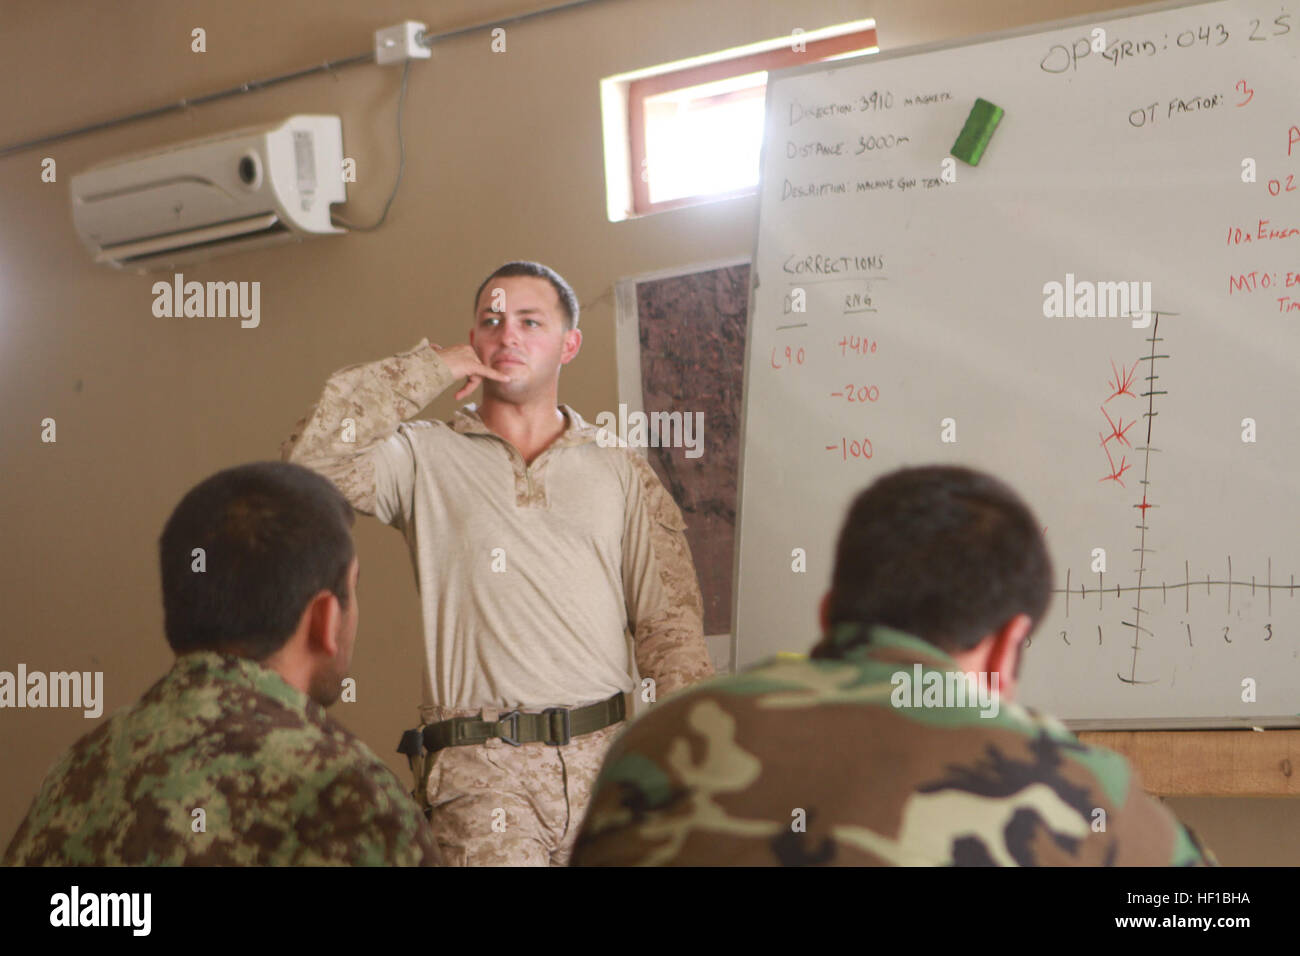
[924, 304]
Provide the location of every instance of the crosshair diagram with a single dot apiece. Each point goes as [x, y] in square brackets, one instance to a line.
[1187, 586]
[1122, 384]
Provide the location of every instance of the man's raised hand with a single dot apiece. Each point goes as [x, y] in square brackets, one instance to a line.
[464, 363]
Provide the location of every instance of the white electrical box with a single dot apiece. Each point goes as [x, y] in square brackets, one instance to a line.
[400, 43]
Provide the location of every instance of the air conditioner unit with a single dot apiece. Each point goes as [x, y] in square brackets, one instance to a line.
[249, 188]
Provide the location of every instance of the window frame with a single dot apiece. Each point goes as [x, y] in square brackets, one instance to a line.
[639, 90]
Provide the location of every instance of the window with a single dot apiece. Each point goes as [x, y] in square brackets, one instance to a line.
[692, 131]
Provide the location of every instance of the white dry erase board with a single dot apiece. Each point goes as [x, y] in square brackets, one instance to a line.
[1169, 158]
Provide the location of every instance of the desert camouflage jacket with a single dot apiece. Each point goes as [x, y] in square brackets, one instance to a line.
[810, 761]
[276, 780]
[598, 540]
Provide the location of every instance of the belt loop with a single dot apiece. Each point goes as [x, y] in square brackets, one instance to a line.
[557, 728]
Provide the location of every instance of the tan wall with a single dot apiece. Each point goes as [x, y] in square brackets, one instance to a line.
[503, 161]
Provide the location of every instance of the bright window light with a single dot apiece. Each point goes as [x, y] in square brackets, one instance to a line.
[692, 131]
[705, 139]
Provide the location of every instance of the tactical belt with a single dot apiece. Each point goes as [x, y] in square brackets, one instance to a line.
[555, 726]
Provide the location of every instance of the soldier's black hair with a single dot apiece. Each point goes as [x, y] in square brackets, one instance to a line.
[568, 301]
[947, 554]
[273, 536]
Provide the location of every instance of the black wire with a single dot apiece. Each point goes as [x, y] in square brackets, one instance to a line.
[401, 164]
[252, 86]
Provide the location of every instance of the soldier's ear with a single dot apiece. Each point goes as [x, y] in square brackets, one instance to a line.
[572, 343]
[1008, 644]
[324, 617]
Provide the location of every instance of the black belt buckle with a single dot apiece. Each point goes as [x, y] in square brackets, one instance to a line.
[564, 725]
[513, 737]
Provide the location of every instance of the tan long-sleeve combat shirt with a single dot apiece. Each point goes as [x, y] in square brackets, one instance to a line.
[530, 576]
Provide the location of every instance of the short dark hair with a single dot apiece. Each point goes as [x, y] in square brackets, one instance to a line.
[568, 301]
[947, 554]
[273, 535]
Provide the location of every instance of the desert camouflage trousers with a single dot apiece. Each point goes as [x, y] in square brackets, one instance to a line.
[495, 804]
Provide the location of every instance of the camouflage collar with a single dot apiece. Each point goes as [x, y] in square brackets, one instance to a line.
[887, 644]
[467, 421]
[195, 668]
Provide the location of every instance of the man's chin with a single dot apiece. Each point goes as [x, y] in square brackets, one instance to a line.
[515, 388]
